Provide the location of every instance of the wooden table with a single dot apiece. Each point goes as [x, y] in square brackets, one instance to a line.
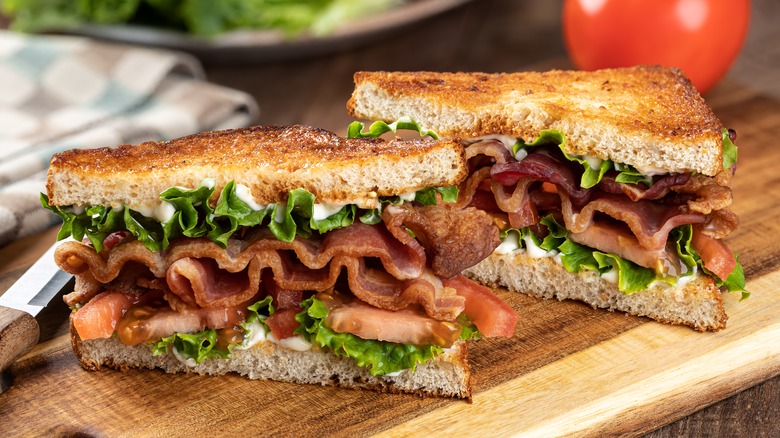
[494, 36]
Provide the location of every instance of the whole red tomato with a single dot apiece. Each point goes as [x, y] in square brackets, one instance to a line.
[701, 37]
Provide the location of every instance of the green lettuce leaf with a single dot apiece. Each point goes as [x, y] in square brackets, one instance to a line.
[427, 196]
[371, 217]
[590, 176]
[193, 217]
[469, 330]
[197, 346]
[735, 281]
[577, 258]
[145, 229]
[258, 312]
[355, 129]
[96, 223]
[682, 236]
[202, 345]
[729, 151]
[628, 175]
[378, 357]
[631, 277]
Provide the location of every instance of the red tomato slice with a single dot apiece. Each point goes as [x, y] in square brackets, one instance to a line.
[283, 323]
[407, 326]
[99, 317]
[714, 253]
[492, 316]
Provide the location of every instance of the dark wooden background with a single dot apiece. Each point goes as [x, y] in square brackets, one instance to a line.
[505, 36]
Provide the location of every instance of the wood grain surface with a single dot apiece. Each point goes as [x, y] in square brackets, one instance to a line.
[569, 369]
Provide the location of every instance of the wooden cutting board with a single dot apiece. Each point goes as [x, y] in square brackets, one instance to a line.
[570, 369]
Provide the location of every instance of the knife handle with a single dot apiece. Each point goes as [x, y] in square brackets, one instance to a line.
[19, 332]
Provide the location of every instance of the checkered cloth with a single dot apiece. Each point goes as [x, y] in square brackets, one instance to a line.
[59, 93]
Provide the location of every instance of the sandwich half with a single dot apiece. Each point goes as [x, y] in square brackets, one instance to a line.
[610, 187]
[283, 253]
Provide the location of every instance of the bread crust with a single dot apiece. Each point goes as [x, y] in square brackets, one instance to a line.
[650, 117]
[448, 375]
[698, 304]
[270, 160]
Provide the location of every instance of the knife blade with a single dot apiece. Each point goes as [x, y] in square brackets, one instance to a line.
[19, 331]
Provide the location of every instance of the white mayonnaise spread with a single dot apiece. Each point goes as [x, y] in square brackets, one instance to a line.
[593, 162]
[324, 211]
[189, 362]
[506, 140]
[296, 343]
[682, 279]
[163, 211]
[256, 334]
[208, 183]
[611, 276]
[650, 172]
[509, 244]
[535, 251]
[245, 195]
[408, 197]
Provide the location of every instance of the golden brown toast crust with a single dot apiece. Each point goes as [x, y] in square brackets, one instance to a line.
[655, 106]
[271, 160]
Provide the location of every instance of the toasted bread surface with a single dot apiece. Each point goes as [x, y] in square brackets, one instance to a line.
[698, 304]
[270, 160]
[446, 376]
[649, 117]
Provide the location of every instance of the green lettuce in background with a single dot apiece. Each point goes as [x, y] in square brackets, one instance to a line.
[205, 18]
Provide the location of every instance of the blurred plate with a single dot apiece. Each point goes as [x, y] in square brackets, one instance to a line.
[255, 46]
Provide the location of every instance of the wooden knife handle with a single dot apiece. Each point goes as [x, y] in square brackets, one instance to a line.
[19, 332]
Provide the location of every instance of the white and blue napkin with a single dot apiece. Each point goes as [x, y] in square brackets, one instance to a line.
[59, 93]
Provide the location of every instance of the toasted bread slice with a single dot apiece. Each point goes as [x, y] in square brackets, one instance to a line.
[446, 376]
[698, 304]
[270, 160]
[649, 117]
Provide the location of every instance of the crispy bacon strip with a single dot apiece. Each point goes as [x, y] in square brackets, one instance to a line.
[635, 192]
[651, 223]
[200, 272]
[455, 238]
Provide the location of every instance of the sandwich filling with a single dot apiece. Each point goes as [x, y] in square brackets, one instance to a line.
[216, 273]
[634, 227]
